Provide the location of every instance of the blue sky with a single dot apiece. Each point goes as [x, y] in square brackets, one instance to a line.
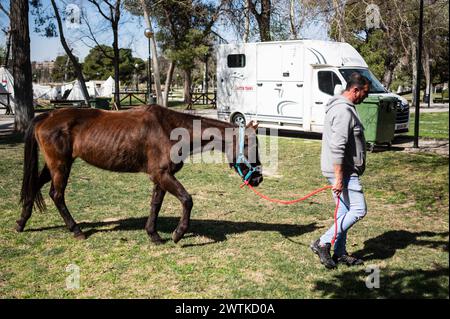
[130, 34]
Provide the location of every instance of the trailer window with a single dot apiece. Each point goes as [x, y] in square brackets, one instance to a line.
[236, 60]
[327, 81]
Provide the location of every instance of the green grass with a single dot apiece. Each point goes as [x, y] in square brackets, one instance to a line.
[437, 96]
[431, 125]
[238, 246]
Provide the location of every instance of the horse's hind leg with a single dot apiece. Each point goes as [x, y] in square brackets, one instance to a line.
[60, 176]
[169, 183]
[150, 226]
[44, 177]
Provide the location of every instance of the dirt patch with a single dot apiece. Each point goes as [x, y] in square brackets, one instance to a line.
[436, 146]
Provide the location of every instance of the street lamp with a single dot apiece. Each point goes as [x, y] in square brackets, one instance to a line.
[149, 34]
[136, 78]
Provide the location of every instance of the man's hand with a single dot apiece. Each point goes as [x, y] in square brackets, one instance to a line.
[339, 179]
[337, 187]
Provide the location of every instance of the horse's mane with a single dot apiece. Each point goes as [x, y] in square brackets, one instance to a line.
[182, 117]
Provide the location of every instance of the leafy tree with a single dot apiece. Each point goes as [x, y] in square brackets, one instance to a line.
[63, 70]
[393, 45]
[97, 66]
[185, 29]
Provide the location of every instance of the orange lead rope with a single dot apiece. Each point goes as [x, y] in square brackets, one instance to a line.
[288, 202]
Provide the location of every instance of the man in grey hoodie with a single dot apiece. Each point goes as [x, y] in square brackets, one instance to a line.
[343, 161]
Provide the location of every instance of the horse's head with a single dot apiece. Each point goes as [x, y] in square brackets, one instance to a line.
[246, 160]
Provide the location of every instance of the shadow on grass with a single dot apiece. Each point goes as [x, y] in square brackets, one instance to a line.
[216, 230]
[11, 139]
[385, 245]
[8, 136]
[393, 283]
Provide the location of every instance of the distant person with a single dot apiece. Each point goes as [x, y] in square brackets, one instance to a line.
[343, 161]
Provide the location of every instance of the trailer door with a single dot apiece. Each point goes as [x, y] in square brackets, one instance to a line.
[279, 88]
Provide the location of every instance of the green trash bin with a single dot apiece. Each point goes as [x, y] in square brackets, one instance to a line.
[101, 103]
[378, 115]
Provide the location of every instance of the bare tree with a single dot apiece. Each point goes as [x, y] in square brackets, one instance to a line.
[23, 89]
[111, 12]
[236, 14]
[68, 50]
[262, 17]
[339, 17]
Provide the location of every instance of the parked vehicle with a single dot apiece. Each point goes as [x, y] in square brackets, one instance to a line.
[286, 84]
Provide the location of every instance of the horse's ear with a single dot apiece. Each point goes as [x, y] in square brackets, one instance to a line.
[252, 125]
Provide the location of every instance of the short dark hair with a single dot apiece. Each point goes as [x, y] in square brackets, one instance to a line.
[358, 80]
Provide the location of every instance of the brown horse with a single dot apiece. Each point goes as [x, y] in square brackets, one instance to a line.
[136, 140]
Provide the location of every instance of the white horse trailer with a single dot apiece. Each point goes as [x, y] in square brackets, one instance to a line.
[286, 84]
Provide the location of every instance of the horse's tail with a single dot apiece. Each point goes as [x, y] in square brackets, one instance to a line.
[31, 192]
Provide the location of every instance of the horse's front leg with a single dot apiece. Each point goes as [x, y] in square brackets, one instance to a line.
[150, 226]
[169, 183]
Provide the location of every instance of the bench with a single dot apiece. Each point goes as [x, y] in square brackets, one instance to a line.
[68, 103]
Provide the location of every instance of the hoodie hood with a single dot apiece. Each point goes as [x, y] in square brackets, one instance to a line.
[337, 100]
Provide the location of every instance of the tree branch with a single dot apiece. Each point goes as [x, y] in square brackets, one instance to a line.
[4, 10]
[93, 38]
[94, 2]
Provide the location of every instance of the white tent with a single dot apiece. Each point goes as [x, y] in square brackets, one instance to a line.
[94, 87]
[7, 80]
[4, 100]
[6, 86]
[55, 93]
[107, 88]
[76, 93]
[42, 91]
[66, 87]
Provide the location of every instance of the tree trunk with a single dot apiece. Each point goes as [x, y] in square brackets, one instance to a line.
[23, 87]
[388, 75]
[155, 62]
[294, 34]
[116, 62]
[75, 63]
[187, 88]
[263, 18]
[168, 83]
[414, 70]
[247, 22]
[427, 71]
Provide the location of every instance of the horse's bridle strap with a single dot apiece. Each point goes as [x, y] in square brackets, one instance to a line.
[241, 157]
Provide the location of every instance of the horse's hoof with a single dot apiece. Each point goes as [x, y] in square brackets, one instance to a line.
[19, 228]
[176, 236]
[158, 241]
[80, 236]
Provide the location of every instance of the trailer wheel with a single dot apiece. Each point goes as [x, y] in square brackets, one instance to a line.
[238, 119]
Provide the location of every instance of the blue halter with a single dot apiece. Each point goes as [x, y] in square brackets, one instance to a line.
[241, 157]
